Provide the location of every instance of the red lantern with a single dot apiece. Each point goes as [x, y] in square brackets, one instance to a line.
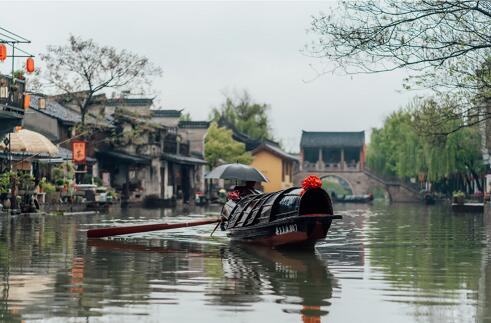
[3, 52]
[30, 65]
[27, 101]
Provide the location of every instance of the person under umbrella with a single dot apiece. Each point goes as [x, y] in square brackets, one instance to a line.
[243, 190]
[238, 172]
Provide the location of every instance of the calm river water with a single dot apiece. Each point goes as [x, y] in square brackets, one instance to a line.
[381, 263]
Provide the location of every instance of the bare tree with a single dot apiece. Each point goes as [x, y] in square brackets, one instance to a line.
[447, 45]
[82, 68]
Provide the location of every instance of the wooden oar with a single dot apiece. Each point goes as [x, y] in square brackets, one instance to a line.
[114, 231]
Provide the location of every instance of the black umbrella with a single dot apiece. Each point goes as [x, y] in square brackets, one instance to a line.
[238, 172]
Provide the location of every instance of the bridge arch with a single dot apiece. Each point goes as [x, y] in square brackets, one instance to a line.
[337, 183]
[363, 182]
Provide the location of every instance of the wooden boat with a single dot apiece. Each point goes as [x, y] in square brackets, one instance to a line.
[281, 219]
[468, 207]
[366, 198]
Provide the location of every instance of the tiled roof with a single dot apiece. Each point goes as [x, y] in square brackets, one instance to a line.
[66, 154]
[131, 102]
[55, 110]
[275, 150]
[180, 159]
[194, 124]
[123, 157]
[332, 139]
[167, 113]
[250, 143]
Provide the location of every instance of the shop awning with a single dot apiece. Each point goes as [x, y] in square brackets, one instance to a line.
[123, 157]
[183, 160]
[66, 154]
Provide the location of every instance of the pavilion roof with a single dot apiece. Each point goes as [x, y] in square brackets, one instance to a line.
[311, 139]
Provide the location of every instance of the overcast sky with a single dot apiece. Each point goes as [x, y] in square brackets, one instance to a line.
[208, 48]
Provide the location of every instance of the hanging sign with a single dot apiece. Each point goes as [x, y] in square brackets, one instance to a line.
[79, 151]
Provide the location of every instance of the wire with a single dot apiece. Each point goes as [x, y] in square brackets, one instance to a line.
[18, 36]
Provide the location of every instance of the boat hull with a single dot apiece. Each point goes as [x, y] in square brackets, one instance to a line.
[294, 231]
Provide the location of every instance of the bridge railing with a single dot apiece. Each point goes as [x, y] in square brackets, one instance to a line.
[393, 180]
[331, 167]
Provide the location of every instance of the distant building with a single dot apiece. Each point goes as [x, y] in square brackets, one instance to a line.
[276, 164]
[135, 106]
[268, 157]
[332, 151]
[194, 133]
[169, 118]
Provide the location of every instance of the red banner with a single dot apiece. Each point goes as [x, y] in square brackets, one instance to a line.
[79, 151]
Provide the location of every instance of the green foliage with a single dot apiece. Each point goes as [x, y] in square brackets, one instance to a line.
[19, 74]
[46, 186]
[245, 115]
[63, 172]
[440, 41]
[399, 149]
[338, 189]
[26, 182]
[458, 194]
[220, 146]
[97, 181]
[185, 117]
[88, 179]
[5, 181]
[58, 173]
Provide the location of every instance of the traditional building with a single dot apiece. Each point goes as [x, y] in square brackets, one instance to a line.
[12, 103]
[332, 151]
[194, 133]
[134, 106]
[50, 118]
[276, 164]
[168, 118]
[268, 157]
[149, 159]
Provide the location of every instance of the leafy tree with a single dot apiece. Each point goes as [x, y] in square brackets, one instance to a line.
[399, 149]
[446, 43]
[220, 146]
[245, 115]
[82, 68]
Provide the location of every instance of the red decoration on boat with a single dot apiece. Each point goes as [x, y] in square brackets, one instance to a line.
[30, 65]
[3, 52]
[234, 196]
[311, 182]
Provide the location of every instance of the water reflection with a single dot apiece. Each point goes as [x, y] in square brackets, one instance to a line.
[431, 258]
[236, 276]
[50, 271]
[293, 278]
[399, 263]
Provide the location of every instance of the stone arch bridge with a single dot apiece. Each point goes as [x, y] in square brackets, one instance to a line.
[361, 181]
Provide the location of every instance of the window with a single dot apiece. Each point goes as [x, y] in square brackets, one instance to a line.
[311, 155]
